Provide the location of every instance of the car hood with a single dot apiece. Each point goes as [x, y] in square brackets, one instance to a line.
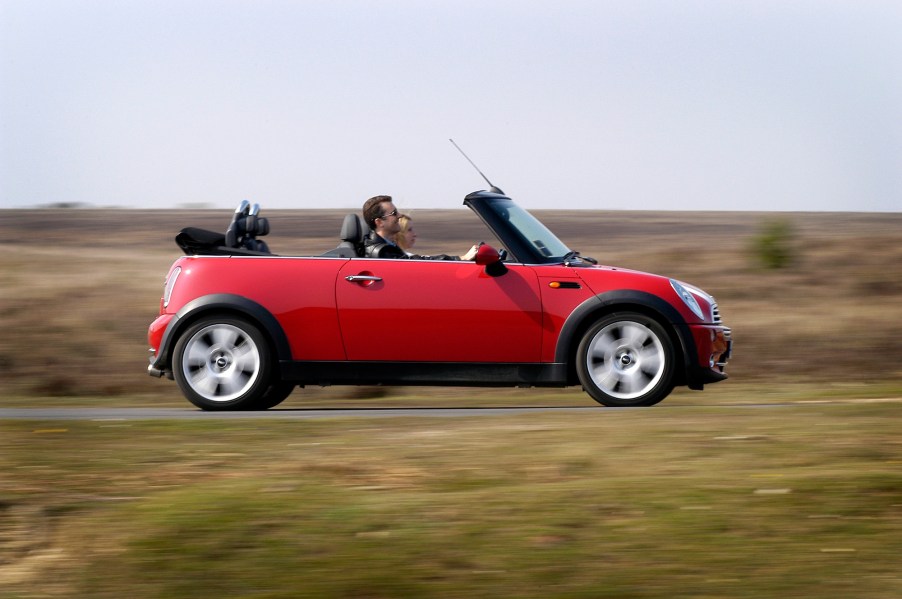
[603, 279]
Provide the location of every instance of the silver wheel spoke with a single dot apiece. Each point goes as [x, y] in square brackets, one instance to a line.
[631, 384]
[204, 382]
[224, 337]
[231, 385]
[602, 345]
[635, 336]
[196, 355]
[246, 358]
[651, 359]
[605, 376]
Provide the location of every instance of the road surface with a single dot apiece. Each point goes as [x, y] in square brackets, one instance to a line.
[314, 413]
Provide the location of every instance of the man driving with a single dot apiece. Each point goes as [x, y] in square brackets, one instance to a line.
[381, 215]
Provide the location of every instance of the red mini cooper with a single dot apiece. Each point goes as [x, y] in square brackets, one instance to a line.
[240, 327]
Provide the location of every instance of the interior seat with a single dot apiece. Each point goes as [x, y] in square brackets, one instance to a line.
[353, 231]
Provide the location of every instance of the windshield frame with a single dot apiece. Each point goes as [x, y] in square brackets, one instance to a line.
[525, 237]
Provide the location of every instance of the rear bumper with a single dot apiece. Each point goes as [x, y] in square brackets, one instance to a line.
[158, 366]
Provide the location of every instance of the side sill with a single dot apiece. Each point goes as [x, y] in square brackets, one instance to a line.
[425, 373]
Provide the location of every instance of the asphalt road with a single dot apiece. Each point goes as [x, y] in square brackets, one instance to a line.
[313, 413]
[195, 414]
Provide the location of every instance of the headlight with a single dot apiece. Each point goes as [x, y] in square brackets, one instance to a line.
[687, 298]
[170, 284]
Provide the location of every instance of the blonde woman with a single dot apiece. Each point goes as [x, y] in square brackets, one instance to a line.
[406, 237]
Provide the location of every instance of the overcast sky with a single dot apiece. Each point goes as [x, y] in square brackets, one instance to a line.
[623, 104]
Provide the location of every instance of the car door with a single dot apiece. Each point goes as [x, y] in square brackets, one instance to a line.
[438, 311]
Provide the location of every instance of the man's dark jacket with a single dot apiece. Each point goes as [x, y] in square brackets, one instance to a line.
[375, 246]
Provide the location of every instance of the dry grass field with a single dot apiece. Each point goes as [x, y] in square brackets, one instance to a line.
[78, 287]
[706, 495]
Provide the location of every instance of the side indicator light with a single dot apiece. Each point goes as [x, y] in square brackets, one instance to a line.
[564, 285]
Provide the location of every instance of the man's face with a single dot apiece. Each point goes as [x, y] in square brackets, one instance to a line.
[387, 225]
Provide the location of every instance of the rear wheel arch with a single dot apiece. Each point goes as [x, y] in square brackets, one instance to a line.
[227, 306]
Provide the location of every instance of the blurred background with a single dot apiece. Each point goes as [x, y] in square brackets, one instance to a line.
[811, 297]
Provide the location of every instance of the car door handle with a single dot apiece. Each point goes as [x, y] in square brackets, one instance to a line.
[360, 278]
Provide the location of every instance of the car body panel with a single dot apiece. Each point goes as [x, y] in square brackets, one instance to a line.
[298, 292]
[438, 311]
[562, 291]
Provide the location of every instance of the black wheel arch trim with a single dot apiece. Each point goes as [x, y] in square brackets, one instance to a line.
[624, 299]
[217, 302]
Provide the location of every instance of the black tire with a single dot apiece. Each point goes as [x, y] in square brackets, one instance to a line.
[224, 363]
[276, 394]
[626, 359]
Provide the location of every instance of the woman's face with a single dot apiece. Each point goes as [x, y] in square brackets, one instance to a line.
[409, 236]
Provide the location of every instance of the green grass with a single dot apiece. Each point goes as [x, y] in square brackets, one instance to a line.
[801, 500]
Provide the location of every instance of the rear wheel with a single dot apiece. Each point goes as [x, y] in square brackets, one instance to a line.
[224, 363]
[626, 359]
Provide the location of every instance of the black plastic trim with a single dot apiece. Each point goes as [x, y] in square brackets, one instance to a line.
[698, 376]
[424, 373]
[211, 303]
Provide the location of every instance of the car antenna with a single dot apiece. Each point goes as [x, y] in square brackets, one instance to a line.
[492, 188]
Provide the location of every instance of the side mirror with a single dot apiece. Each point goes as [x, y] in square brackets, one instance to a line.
[489, 257]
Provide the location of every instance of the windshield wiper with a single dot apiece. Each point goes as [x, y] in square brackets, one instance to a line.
[575, 255]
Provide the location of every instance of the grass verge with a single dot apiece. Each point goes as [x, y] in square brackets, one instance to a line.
[800, 500]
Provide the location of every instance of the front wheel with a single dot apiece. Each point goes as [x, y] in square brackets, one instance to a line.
[223, 363]
[276, 394]
[626, 359]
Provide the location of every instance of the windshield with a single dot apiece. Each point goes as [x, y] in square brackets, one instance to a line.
[531, 231]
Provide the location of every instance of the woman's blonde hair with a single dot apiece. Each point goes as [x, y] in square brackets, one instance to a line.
[404, 223]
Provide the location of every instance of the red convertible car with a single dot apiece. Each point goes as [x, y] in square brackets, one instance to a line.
[239, 327]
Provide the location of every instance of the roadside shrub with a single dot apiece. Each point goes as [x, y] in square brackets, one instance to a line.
[774, 246]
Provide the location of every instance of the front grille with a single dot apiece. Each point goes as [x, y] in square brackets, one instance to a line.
[715, 313]
[725, 357]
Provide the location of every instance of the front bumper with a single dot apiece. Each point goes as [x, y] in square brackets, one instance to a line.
[714, 348]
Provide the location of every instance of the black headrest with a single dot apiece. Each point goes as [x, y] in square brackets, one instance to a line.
[245, 228]
[353, 228]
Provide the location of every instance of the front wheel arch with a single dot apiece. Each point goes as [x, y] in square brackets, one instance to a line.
[595, 308]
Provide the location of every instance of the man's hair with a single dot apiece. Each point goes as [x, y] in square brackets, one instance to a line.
[372, 209]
